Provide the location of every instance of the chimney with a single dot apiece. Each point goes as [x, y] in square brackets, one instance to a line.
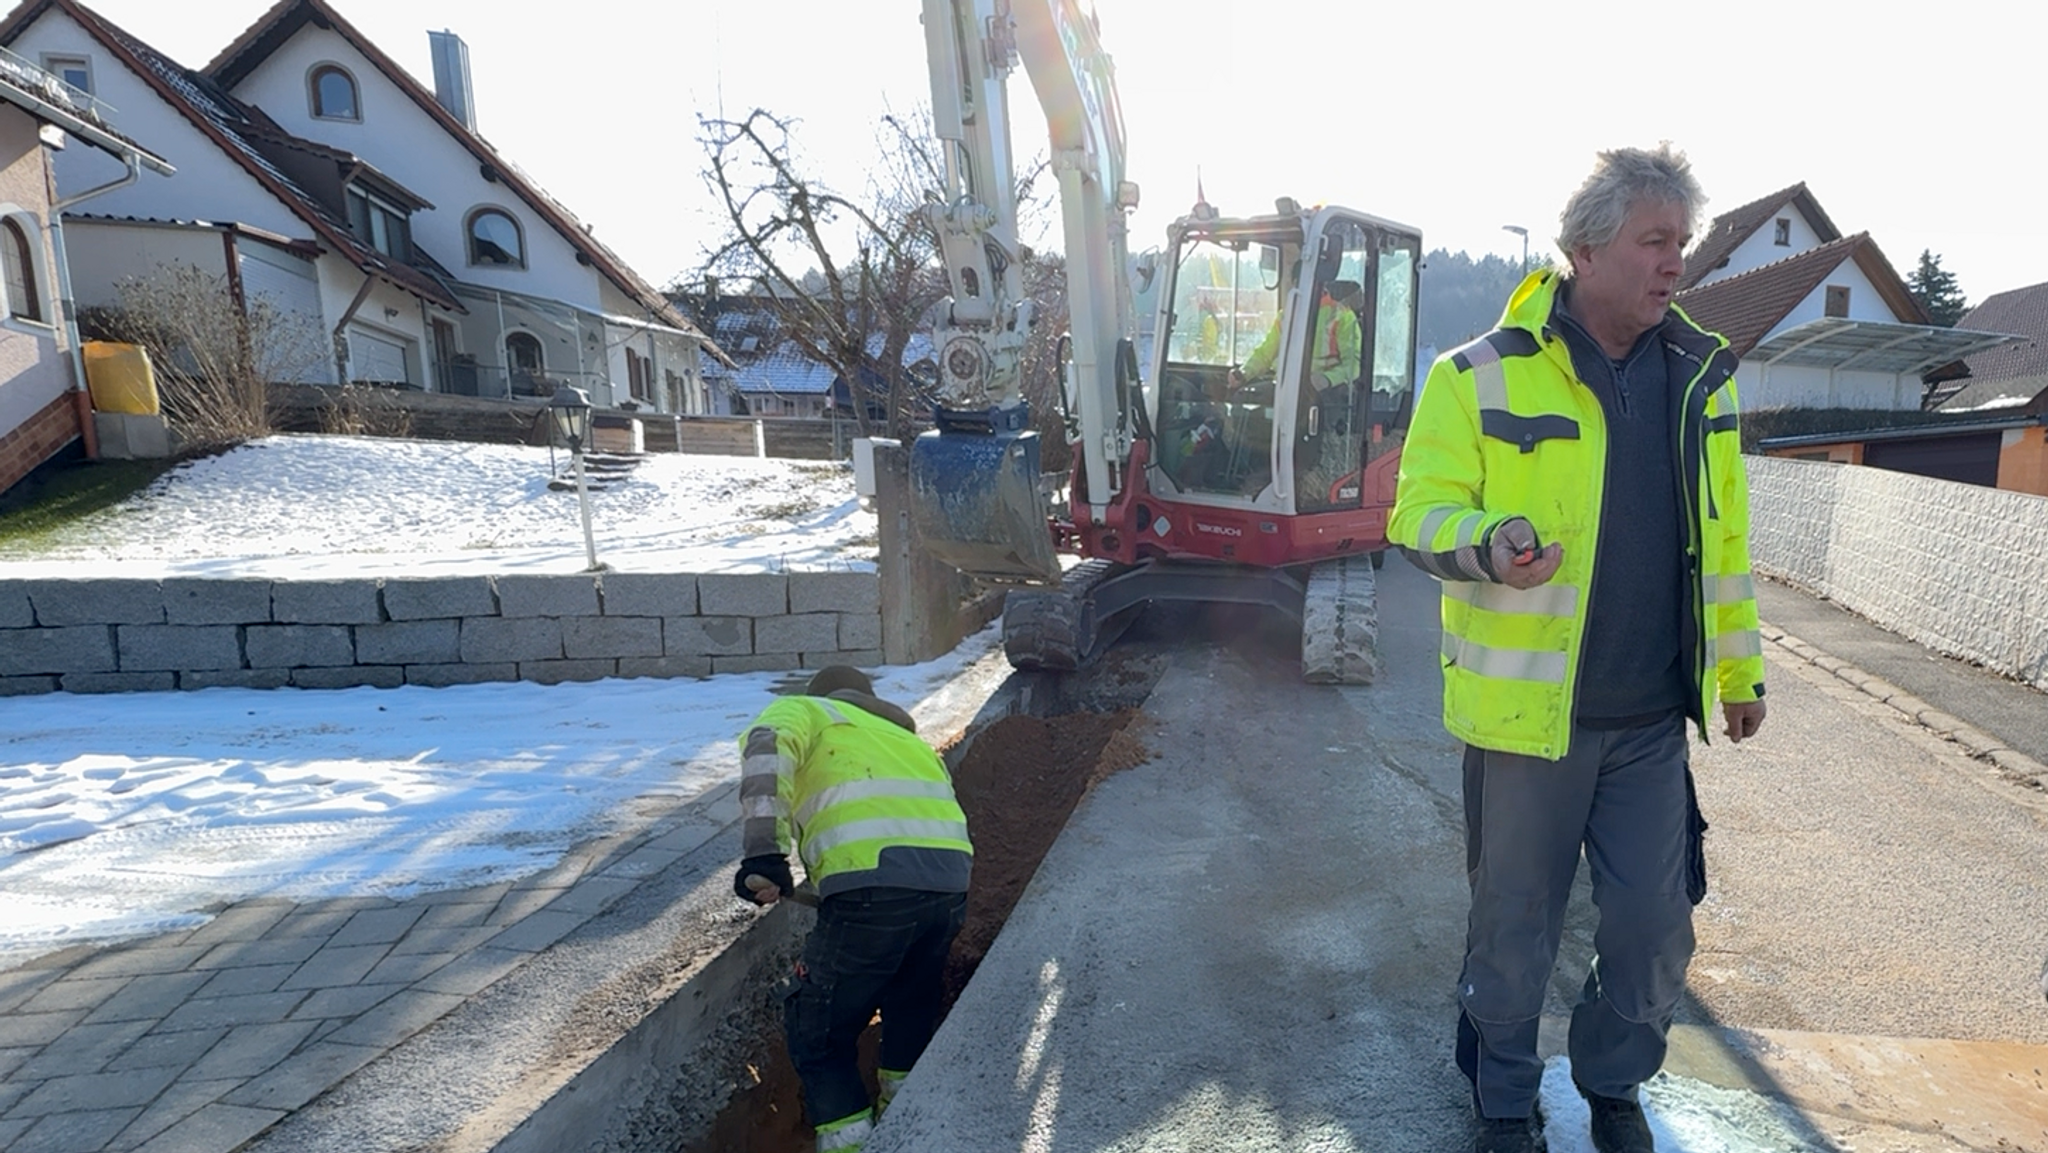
[451, 77]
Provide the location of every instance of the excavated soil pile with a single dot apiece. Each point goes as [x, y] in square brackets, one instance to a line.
[1019, 781]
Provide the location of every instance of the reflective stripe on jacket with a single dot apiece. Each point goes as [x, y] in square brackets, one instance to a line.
[1333, 346]
[1505, 428]
[848, 785]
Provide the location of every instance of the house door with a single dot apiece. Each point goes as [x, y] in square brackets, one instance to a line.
[444, 356]
[524, 361]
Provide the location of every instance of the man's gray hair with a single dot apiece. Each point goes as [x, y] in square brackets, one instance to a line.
[1623, 178]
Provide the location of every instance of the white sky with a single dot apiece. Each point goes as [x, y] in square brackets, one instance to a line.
[1456, 117]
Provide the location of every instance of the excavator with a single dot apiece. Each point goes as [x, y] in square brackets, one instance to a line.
[1241, 447]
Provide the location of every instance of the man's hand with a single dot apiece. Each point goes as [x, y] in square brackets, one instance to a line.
[1744, 719]
[1517, 562]
[771, 868]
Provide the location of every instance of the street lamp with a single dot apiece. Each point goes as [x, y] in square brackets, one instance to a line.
[1518, 230]
[569, 414]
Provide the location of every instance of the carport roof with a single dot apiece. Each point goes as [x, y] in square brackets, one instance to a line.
[1904, 432]
[1872, 346]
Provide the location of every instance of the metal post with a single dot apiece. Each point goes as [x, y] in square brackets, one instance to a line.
[583, 500]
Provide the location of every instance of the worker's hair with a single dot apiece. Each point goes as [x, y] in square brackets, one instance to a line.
[833, 678]
[1623, 178]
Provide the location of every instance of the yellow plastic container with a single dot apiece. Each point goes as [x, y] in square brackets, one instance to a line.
[120, 379]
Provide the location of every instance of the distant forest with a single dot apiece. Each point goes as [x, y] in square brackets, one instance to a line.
[1462, 298]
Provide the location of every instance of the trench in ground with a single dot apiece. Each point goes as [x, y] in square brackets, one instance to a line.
[1018, 780]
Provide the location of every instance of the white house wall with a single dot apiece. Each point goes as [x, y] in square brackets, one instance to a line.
[1760, 248]
[408, 145]
[1864, 302]
[387, 312]
[209, 185]
[1784, 387]
[105, 253]
[33, 371]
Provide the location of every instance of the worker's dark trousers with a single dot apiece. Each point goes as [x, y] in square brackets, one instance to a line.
[1622, 796]
[872, 949]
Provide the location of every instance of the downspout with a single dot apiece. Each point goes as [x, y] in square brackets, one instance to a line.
[82, 397]
[341, 326]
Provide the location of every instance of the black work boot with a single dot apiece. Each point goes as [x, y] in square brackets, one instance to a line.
[1506, 1135]
[1618, 1124]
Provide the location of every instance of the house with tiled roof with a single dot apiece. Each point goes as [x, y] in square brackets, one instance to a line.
[45, 409]
[768, 374]
[319, 173]
[2012, 379]
[1820, 320]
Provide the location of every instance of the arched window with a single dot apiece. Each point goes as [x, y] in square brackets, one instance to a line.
[494, 239]
[17, 255]
[334, 94]
[525, 364]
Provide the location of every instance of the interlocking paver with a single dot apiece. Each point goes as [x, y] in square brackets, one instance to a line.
[341, 1004]
[63, 958]
[443, 940]
[396, 1019]
[148, 998]
[249, 1050]
[18, 985]
[474, 972]
[539, 931]
[453, 916]
[245, 921]
[94, 1091]
[303, 1076]
[479, 894]
[520, 904]
[593, 895]
[81, 1049]
[10, 1060]
[316, 921]
[376, 926]
[268, 951]
[20, 1030]
[336, 966]
[688, 836]
[645, 861]
[73, 994]
[216, 1128]
[12, 1091]
[176, 1103]
[407, 968]
[9, 1130]
[250, 1009]
[246, 979]
[86, 1131]
[563, 873]
[139, 960]
[168, 1049]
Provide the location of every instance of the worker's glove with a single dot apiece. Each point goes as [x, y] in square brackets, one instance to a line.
[1507, 542]
[773, 867]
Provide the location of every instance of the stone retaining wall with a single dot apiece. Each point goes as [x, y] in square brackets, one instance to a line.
[1959, 568]
[122, 635]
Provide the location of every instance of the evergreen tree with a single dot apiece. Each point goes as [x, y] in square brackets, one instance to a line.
[1937, 291]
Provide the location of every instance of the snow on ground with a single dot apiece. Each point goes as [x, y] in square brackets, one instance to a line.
[332, 506]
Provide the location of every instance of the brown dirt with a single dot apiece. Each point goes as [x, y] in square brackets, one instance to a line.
[1019, 781]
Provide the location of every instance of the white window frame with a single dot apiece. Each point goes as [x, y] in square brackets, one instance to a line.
[54, 62]
[313, 92]
[40, 282]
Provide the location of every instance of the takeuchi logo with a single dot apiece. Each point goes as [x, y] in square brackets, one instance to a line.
[1218, 529]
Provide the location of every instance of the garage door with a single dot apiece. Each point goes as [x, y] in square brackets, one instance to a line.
[377, 358]
[1971, 458]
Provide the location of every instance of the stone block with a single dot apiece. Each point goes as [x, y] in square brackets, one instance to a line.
[234, 678]
[332, 602]
[835, 592]
[161, 648]
[430, 642]
[299, 646]
[441, 676]
[120, 682]
[858, 658]
[757, 663]
[352, 677]
[555, 672]
[17, 613]
[707, 636]
[96, 602]
[647, 594]
[431, 598]
[547, 596]
[860, 630]
[199, 601]
[743, 594]
[30, 686]
[665, 667]
[75, 649]
[487, 640]
[810, 632]
[611, 637]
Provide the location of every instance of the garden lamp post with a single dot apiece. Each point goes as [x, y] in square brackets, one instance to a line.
[569, 410]
[1522, 232]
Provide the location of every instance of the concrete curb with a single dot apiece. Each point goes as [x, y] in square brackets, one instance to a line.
[2013, 767]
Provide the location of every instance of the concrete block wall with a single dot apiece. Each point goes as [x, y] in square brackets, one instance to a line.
[1960, 568]
[117, 635]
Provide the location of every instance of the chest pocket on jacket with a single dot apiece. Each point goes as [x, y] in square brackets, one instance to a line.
[1526, 432]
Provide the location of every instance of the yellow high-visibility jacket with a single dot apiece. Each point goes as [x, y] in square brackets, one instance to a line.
[1505, 428]
[866, 801]
[1333, 345]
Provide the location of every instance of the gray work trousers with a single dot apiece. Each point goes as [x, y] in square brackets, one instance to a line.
[1621, 796]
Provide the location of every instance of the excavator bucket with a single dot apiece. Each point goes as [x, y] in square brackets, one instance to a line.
[977, 502]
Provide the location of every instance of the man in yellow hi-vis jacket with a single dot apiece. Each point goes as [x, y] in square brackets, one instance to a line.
[1575, 479]
[871, 810]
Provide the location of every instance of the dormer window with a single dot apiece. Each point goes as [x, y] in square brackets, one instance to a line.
[494, 239]
[375, 222]
[334, 94]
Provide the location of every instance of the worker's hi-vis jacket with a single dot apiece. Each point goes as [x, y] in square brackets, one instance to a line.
[1333, 346]
[1504, 428]
[868, 803]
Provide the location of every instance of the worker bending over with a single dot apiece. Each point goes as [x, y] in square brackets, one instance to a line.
[871, 809]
